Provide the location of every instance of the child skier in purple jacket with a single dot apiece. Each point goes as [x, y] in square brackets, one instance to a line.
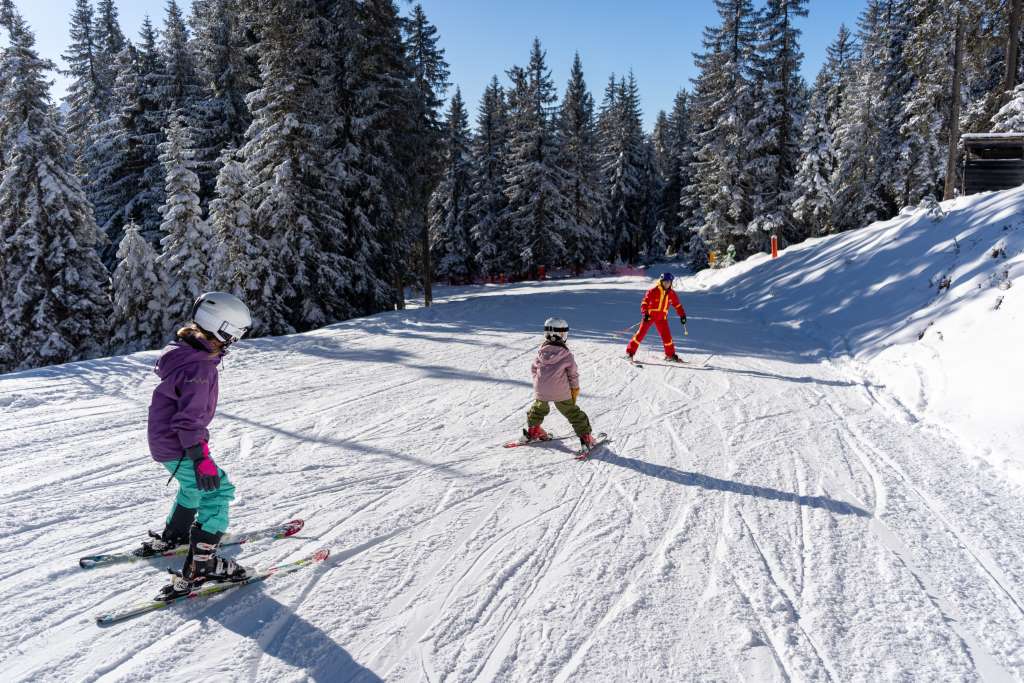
[556, 378]
[182, 407]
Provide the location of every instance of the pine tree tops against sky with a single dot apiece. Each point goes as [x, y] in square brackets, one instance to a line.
[656, 43]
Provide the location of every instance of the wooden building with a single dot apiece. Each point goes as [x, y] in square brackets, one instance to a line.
[992, 161]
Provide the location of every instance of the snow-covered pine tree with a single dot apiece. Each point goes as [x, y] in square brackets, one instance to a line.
[451, 243]
[177, 82]
[87, 96]
[487, 200]
[237, 248]
[814, 201]
[896, 80]
[775, 127]
[126, 179]
[1010, 118]
[7, 15]
[988, 44]
[856, 183]
[430, 82]
[375, 114]
[607, 117]
[929, 56]
[537, 208]
[184, 260]
[138, 320]
[679, 151]
[723, 97]
[667, 178]
[697, 253]
[579, 163]
[145, 116]
[109, 41]
[624, 171]
[54, 291]
[220, 115]
[308, 279]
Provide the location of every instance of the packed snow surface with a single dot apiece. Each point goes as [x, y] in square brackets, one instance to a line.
[831, 490]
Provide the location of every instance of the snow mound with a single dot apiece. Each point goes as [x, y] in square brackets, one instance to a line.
[922, 306]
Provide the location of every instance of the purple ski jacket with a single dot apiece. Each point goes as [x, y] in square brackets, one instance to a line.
[185, 400]
[554, 373]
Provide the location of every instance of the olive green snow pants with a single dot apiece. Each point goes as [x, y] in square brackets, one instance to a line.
[576, 417]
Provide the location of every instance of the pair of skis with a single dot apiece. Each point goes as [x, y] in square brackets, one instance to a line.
[276, 532]
[667, 363]
[581, 454]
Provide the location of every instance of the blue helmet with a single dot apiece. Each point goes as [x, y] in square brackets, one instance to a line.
[666, 277]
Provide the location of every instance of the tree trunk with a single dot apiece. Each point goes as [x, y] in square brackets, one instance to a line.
[954, 110]
[428, 289]
[399, 293]
[1012, 42]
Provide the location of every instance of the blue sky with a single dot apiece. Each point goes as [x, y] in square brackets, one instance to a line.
[654, 38]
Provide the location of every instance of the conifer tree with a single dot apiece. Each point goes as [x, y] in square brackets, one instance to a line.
[624, 170]
[54, 291]
[925, 128]
[220, 116]
[177, 80]
[814, 185]
[138, 320]
[87, 98]
[375, 120]
[724, 97]
[237, 248]
[813, 203]
[679, 151]
[185, 248]
[858, 188]
[310, 277]
[487, 201]
[126, 178]
[451, 242]
[579, 163]
[430, 82]
[184, 261]
[1010, 118]
[109, 41]
[774, 128]
[537, 209]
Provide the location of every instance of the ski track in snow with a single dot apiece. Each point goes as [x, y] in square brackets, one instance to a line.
[764, 517]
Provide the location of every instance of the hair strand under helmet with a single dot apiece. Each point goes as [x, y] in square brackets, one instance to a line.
[556, 329]
[222, 315]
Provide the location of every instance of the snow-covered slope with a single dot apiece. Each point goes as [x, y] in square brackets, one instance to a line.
[924, 308]
[793, 506]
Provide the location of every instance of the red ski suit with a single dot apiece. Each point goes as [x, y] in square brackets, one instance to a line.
[655, 304]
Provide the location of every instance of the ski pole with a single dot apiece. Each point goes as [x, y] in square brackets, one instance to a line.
[686, 332]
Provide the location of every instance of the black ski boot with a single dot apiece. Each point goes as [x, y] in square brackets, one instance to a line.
[175, 533]
[202, 565]
[674, 358]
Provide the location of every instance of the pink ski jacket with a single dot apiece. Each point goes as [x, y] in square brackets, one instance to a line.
[554, 373]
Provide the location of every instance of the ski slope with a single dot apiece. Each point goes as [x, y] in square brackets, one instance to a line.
[804, 502]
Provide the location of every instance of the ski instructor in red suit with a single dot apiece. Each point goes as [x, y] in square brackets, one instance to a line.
[655, 310]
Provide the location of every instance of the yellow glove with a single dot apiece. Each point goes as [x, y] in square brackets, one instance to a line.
[575, 392]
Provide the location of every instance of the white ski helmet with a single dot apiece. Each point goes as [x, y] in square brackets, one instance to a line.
[556, 329]
[223, 315]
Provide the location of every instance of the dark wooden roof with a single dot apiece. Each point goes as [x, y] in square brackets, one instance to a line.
[992, 139]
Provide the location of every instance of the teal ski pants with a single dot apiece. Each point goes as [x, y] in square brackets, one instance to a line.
[212, 506]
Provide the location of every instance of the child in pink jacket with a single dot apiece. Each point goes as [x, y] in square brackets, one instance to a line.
[556, 378]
